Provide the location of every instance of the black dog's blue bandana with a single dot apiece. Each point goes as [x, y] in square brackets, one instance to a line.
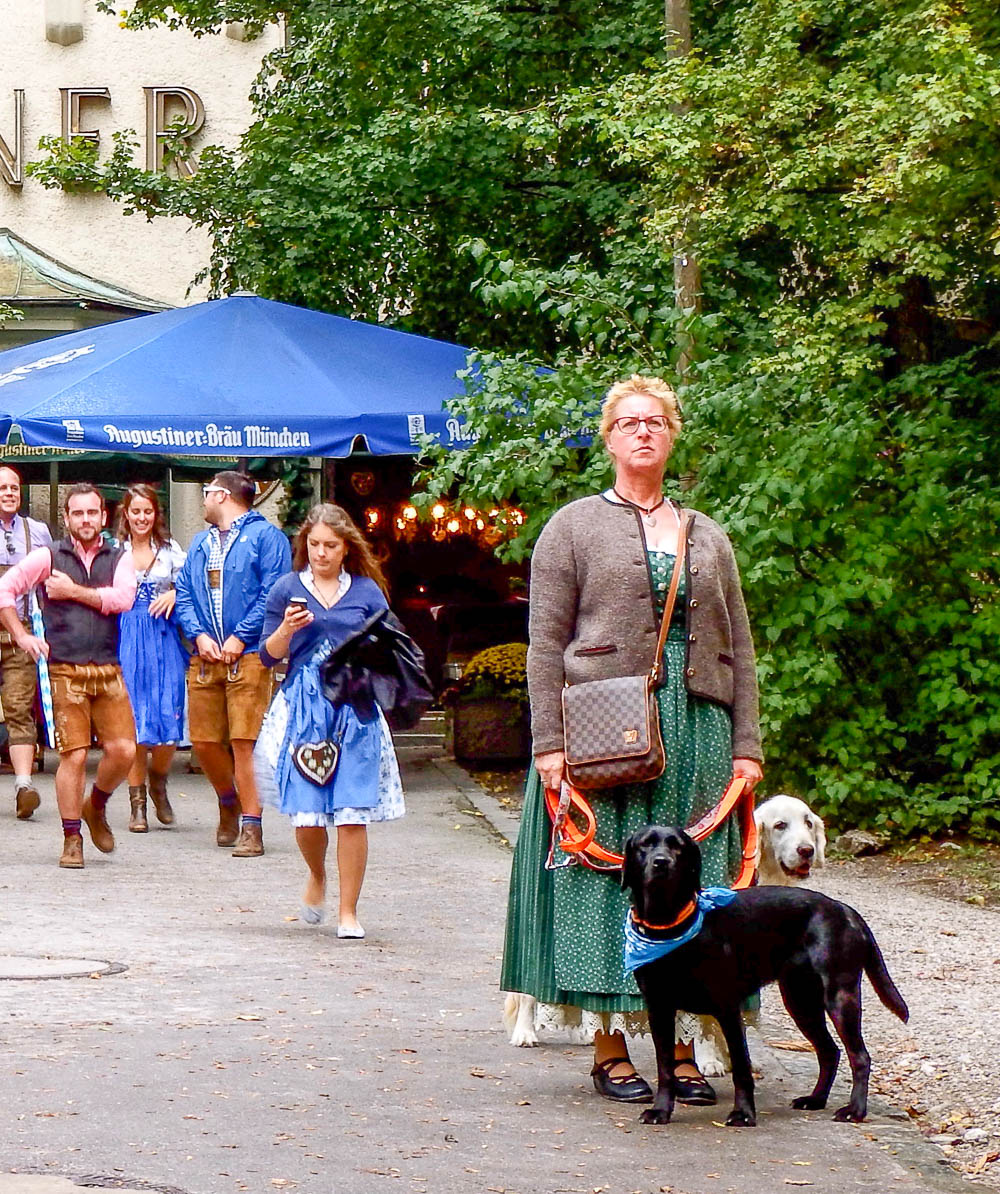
[641, 949]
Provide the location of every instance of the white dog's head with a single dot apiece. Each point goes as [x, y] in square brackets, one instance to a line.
[791, 841]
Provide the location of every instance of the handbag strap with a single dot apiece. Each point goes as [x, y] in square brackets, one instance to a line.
[668, 609]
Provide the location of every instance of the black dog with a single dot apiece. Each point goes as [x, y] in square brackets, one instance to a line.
[815, 947]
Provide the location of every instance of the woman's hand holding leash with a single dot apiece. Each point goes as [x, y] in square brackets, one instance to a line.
[550, 767]
[748, 769]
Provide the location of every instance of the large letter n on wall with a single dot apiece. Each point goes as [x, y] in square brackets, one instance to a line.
[159, 103]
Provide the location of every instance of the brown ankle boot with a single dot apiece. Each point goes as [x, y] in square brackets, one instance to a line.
[26, 801]
[251, 843]
[158, 795]
[229, 825]
[97, 823]
[137, 822]
[72, 855]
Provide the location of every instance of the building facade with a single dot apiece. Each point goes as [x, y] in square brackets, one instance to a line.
[67, 70]
[71, 261]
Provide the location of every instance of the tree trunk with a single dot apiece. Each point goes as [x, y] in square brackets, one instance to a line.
[687, 274]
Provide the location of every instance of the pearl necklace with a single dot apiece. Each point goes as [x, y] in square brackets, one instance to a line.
[648, 515]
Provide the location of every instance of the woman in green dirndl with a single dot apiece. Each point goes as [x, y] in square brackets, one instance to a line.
[599, 576]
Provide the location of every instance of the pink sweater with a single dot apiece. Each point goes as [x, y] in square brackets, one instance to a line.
[36, 567]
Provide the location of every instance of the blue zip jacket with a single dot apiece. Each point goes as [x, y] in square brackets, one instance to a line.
[252, 564]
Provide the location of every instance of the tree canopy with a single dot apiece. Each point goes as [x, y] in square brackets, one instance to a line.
[387, 135]
[832, 166]
[518, 176]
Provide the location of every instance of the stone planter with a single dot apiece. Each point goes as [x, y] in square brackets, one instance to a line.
[491, 730]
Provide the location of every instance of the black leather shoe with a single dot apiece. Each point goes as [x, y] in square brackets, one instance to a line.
[628, 1088]
[694, 1091]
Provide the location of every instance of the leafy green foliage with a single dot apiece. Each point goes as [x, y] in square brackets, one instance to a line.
[299, 497]
[519, 177]
[831, 165]
[200, 16]
[387, 134]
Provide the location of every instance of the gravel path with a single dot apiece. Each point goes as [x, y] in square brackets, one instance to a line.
[943, 1067]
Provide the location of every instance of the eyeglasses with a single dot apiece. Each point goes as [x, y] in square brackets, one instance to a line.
[9, 542]
[655, 424]
[207, 489]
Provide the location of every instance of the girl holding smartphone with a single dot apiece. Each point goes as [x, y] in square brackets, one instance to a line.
[323, 765]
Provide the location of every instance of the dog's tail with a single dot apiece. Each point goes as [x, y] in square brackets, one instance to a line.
[881, 980]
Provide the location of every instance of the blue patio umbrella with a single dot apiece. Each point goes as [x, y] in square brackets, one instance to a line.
[241, 376]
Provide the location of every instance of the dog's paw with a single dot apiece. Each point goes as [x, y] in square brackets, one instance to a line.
[741, 1119]
[655, 1115]
[847, 1115]
[711, 1063]
[809, 1103]
[524, 1038]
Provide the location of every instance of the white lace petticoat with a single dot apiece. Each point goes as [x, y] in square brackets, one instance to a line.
[553, 1016]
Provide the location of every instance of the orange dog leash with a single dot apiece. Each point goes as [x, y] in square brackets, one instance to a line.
[579, 842]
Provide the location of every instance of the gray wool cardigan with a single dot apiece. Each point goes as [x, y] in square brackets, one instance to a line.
[592, 616]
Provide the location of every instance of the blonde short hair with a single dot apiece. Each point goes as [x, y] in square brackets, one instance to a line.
[650, 387]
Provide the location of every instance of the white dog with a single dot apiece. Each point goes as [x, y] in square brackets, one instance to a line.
[519, 1019]
[791, 841]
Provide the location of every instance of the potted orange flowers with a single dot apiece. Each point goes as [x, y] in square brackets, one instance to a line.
[490, 707]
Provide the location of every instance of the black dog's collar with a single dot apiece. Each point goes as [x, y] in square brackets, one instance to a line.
[675, 927]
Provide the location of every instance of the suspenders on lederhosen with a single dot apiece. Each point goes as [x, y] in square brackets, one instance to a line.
[5, 638]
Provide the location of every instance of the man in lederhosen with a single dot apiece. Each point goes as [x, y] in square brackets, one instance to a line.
[19, 679]
[85, 583]
[221, 592]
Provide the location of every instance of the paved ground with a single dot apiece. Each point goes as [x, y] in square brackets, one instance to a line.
[238, 1049]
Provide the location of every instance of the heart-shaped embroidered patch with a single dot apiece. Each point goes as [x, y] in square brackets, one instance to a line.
[317, 761]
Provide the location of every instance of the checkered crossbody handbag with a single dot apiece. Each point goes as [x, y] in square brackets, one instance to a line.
[612, 727]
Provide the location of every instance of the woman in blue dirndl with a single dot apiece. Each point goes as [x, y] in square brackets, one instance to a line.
[322, 764]
[153, 661]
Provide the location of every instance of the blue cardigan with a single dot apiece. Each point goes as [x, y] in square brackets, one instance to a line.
[252, 565]
[361, 600]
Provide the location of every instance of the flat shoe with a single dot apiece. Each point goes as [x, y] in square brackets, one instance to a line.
[312, 914]
[694, 1091]
[355, 934]
[627, 1089]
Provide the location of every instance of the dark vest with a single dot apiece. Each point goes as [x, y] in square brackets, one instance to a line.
[76, 633]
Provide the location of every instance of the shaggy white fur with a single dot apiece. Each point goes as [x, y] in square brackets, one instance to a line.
[791, 841]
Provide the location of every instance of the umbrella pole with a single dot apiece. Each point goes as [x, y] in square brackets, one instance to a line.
[53, 493]
[329, 485]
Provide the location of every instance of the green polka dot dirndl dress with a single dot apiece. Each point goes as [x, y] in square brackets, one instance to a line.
[565, 934]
